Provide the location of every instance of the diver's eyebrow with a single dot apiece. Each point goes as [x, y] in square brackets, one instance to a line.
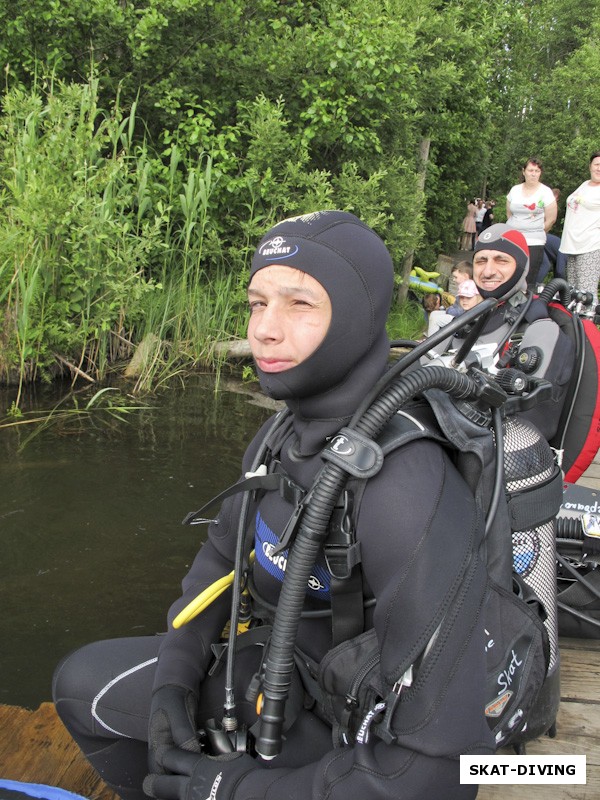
[287, 290]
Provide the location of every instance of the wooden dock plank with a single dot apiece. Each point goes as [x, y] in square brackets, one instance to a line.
[534, 791]
[581, 676]
[36, 747]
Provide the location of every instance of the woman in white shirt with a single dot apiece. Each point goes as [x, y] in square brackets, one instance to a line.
[581, 232]
[531, 208]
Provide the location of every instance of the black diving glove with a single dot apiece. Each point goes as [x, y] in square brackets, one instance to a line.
[173, 723]
[198, 776]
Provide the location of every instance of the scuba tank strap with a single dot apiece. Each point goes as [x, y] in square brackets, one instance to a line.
[535, 505]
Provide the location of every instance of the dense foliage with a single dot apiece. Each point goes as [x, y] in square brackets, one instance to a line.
[146, 144]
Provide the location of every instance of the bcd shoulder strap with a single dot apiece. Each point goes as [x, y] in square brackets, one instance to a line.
[341, 549]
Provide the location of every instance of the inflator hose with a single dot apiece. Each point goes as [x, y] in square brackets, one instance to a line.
[421, 349]
[330, 481]
[229, 720]
[557, 285]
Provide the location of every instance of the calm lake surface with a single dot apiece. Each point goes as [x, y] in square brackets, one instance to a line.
[90, 522]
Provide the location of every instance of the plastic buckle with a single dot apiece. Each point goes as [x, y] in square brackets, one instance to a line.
[291, 492]
[289, 530]
[341, 560]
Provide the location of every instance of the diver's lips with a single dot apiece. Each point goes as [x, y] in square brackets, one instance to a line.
[490, 285]
[273, 364]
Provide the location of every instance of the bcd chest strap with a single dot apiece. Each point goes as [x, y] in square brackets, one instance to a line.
[263, 481]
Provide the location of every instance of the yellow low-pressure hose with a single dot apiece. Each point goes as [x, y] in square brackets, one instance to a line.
[205, 598]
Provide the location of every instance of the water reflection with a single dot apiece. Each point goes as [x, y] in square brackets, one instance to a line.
[90, 524]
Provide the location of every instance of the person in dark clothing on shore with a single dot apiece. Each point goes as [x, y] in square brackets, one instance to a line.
[488, 217]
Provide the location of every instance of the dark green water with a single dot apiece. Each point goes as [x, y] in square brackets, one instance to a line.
[91, 539]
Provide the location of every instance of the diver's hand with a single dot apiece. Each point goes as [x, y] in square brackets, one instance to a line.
[172, 723]
[198, 776]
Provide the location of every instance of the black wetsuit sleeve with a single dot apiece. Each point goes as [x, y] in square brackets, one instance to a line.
[185, 652]
[420, 534]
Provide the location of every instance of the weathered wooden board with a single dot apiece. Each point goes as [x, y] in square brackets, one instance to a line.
[36, 747]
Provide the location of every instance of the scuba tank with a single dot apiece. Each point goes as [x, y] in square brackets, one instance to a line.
[532, 478]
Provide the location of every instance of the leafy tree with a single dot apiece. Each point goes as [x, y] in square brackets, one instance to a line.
[67, 37]
[545, 83]
[210, 120]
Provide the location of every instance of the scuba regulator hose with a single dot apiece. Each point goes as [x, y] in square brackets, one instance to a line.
[557, 285]
[315, 514]
[421, 349]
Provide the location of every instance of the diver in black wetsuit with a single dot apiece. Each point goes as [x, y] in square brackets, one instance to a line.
[320, 289]
[500, 267]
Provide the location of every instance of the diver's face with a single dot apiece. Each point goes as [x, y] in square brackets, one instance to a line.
[492, 268]
[290, 314]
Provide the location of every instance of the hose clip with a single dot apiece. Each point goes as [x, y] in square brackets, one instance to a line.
[355, 453]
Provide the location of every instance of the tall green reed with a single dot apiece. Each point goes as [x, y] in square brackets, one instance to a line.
[71, 263]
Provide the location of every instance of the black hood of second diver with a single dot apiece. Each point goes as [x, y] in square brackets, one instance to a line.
[355, 268]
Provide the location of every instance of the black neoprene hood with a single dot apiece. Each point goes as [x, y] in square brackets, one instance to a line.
[355, 268]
